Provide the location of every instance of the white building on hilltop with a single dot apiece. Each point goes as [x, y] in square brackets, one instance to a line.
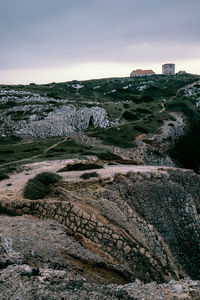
[140, 72]
[168, 69]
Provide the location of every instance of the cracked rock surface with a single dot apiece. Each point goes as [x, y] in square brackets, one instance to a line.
[132, 235]
[49, 264]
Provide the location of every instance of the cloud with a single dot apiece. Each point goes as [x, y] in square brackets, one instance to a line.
[62, 33]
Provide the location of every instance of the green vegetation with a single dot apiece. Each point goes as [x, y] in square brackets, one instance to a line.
[139, 105]
[41, 149]
[3, 176]
[80, 167]
[89, 175]
[6, 171]
[38, 187]
[9, 140]
[19, 151]
[108, 156]
[7, 211]
[47, 178]
[186, 106]
[69, 149]
[124, 135]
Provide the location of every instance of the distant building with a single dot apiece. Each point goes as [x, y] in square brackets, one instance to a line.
[181, 72]
[168, 69]
[140, 72]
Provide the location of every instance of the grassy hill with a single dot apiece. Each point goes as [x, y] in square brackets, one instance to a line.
[132, 106]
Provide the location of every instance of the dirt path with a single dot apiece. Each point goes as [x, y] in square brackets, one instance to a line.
[163, 108]
[18, 180]
[182, 88]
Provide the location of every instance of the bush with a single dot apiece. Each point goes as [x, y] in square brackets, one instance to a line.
[4, 173]
[108, 156]
[144, 111]
[141, 129]
[9, 139]
[89, 175]
[48, 178]
[125, 105]
[80, 167]
[182, 107]
[129, 115]
[37, 188]
[123, 136]
[7, 151]
[3, 176]
[146, 98]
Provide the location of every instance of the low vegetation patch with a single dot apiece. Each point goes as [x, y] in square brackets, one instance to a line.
[80, 167]
[122, 136]
[89, 175]
[109, 156]
[6, 171]
[38, 187]
[7, 211]
[13, 150]
[71, 148]
[3, 176]
[129, 115]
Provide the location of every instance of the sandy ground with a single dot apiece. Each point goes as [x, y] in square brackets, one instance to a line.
[18, 180]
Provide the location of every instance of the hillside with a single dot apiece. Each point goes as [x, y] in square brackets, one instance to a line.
[117, 111]
[100, 189]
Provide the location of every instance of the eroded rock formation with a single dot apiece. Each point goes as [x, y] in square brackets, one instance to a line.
[145, 222]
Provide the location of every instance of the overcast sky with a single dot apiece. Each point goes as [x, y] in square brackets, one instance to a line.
[59, 40]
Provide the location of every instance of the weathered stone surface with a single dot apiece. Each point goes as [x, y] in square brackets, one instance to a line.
[45, 268]
[148, 222]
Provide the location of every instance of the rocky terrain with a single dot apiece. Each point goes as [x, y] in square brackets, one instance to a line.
[137, 224]
[58, 122]
[49, 264]
[131, 229]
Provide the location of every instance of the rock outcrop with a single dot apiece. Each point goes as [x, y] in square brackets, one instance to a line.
[49, 264]
[147, 222]
[65, 121]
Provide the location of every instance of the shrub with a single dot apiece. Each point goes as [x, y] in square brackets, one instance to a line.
[89, 175]
[4, 173]
[3, 176]
[146, 98]
[7, 151]
[37, 188]
[9, 139]
[141, 129]
[111, 164]
[129, 115]
[144, 111]
[80, 167]
[48, 178]
[126, 105]
[108, 156]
